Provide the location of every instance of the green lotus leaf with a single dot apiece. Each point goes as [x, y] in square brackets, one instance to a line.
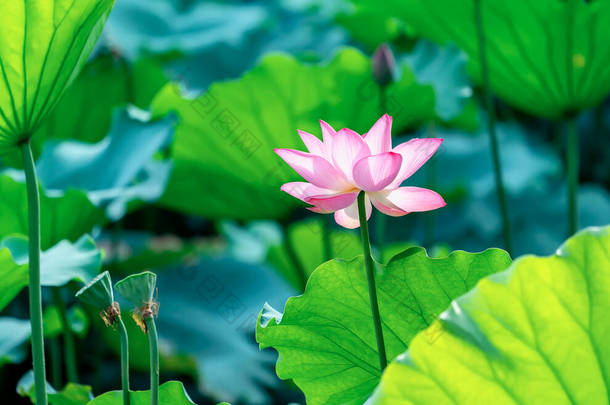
[64, 262]
[71, 394]
[170, 393]
[325, 338]
[98, 292]
[43, 46]
[546, 57]
[224, 164]
[138, 289]
[14, 333]
[64, 215]
[536, 333]
[380, 27]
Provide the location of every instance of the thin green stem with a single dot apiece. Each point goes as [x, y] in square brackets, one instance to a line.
[370, 275]
[572, 158]
[491, 127]
[327, 249]
[35, 292]
[69, 345]
[154, 359]
[124, 360]
[294, 259]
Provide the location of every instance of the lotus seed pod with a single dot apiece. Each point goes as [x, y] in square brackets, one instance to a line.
[138, 289]
[98, 292]
[383, 65]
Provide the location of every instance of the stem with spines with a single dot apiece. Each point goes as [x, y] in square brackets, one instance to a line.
[491, 127]
[370, 275]
[35, 291]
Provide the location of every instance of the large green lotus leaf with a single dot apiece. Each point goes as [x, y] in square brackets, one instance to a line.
[43, 46]
[546, 57]
[14, 333]
[170, 393]
[536, 334]
[64, 262]
[63, 215]
[224, 164]
[325, 337]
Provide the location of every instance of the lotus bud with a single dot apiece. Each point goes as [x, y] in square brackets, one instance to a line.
[383, 65]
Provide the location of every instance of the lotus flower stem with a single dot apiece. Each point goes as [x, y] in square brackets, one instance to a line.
[370, 275]
[572, 158]
[491, 127]
[69, 346]
[35, 292]
[124, 359]
[154, 359]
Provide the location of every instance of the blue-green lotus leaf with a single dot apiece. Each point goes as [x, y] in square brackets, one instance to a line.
[80, 261]
[14, 333]
[117, 171]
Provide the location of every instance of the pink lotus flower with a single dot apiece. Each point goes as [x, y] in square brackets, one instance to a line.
[346, 163]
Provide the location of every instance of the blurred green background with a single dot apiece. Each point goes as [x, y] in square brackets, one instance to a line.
[162, 151]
